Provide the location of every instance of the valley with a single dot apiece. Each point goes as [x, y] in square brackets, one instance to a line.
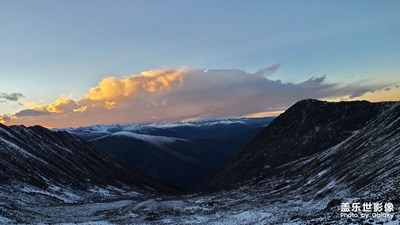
[299, 169]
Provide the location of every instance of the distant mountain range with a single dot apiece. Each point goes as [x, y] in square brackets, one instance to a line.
[196, 130]
[179, 153]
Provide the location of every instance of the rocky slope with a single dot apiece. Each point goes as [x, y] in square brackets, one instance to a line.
[39, 166]
[316, 156]
[36, 155]
[309, 127]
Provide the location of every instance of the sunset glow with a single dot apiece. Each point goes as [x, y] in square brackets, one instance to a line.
[180, 63]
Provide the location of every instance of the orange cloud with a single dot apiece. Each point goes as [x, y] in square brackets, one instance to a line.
[81, 109]
[109, 93]
[264, 114]
[187, 95]
[112, 90]
[7, 117]
[61, 105]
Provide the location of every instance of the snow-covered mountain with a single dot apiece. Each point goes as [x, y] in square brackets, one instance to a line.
[39, 166]
[179, 153]
[209, 129]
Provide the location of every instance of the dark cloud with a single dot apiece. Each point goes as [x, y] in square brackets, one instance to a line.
[359, 92]
[313, 82]
[267, 71]
[12, 97]
[31, 112]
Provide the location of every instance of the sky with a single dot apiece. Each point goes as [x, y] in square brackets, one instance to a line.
[72, 63]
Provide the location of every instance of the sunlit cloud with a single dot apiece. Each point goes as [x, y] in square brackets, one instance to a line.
[111, 90]
[7, 117]
[186, 95]
[109, 93]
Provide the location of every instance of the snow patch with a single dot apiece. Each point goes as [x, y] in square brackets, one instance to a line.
[89, 223]
[320, 174]
[100, 191]
[329, 186]
[156, 140]
[4, 220]
[65, 196]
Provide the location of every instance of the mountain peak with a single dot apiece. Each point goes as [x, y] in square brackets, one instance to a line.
[308, 127]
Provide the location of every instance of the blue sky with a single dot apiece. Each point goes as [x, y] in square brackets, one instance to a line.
[53, 48]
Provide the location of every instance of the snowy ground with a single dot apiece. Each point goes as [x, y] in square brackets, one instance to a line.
[108, 206]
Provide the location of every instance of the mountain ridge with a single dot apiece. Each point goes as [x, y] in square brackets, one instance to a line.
[308, 127]
[64, 158]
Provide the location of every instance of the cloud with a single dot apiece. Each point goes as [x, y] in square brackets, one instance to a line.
[176, 95]
[360, 92]
[267, 71]
[111, 90]
[109, 93]
[31, 113]
[313, 81]
[62, 105]
[12, 97]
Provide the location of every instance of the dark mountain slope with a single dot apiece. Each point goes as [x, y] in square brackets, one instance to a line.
[181, 162]
[179, 153]
[39, 157]
[367, 163]
[171, 159]
[306, 128]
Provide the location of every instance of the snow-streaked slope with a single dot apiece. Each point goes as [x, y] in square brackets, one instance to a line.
[41, 158]
[306, 128]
